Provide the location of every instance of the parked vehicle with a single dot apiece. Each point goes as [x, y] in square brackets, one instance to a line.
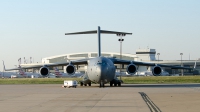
[70, 83]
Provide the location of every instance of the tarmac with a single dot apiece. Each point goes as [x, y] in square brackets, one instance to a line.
[54, 98]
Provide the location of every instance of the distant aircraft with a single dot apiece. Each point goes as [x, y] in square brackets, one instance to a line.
[101, 69]
[60, 74]
[8, 74]
[27, 74]
[140, 73]
[51, 75]
[123, 74]
[149, 73]
[23, 73]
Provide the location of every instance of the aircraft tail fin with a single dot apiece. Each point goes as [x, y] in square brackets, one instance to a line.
[56, 69]
[99, 32]
[57, 72]
[21, 72]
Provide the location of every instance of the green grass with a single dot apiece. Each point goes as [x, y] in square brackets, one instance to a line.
[165, 79]
[127, 80]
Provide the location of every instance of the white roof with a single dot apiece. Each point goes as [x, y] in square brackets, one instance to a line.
[89, 54]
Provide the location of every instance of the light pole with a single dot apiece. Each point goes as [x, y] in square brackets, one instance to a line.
[158, 56]
[24, 60]
[121, 40]
[30, 60]
[181, 64]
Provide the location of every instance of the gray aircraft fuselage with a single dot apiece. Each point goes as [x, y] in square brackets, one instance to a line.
[100, 69]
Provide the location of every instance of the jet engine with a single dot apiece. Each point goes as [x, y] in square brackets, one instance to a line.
[131, 69]
[156, 70]
[44, 71]
[70, 69]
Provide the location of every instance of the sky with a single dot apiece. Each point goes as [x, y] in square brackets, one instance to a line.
[36, 28]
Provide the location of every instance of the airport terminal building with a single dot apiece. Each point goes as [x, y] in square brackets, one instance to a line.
[146, 55]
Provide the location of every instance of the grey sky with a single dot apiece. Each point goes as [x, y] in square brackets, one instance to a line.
[36, 28]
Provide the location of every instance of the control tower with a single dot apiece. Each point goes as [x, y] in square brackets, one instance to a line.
[146, 54]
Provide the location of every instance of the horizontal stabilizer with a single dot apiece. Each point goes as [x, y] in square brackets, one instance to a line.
[114, 32]
[84, 32]
[101, 31]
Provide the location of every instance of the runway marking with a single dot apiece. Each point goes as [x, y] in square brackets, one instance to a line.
[150, 104]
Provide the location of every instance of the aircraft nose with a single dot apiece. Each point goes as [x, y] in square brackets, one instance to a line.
[104, 70]
[101, 69]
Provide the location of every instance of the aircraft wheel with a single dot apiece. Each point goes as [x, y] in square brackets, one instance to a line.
[115, 84]
[119, 84]
[111, 84]
[85, 84]
[81, 83]
[101, 84]
[89, 84]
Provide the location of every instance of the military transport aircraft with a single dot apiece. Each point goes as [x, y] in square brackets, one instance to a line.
[101, 69]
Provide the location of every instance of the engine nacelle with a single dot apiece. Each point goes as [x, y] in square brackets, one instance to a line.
[156, 70]
[131, 69]
[70, 69]
[44, 71]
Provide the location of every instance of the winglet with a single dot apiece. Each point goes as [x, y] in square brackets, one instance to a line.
[195, 64]
[4, 68]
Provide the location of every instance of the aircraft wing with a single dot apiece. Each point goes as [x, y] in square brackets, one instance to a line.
[173, 67]
[31, 66]
[12, 69]
[76, 62]
[120, 61]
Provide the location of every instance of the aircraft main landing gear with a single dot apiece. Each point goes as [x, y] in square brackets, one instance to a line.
[89, 84]
[115, 83]
[101, 84]
[81, 83]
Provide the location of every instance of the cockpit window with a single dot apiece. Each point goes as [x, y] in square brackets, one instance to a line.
[99, 63]
[103, 63]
